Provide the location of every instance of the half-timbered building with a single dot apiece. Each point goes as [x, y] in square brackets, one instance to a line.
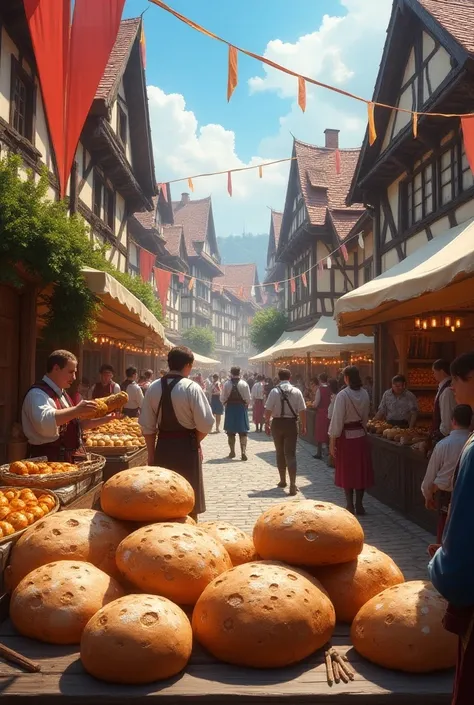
[276, 270]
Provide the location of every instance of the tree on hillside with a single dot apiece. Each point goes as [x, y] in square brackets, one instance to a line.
[200, 340]
[266, 328]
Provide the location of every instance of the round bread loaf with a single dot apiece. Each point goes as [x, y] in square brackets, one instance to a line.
[80, 535]
[264, 615]
[308, 533]
[137, 639]
[174, 560]
[238, 544]
[54, 602]
[351, 585]
[401, 628]
[147, 494]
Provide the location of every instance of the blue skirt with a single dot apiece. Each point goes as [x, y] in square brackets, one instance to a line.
[216, 405]
[236, 419]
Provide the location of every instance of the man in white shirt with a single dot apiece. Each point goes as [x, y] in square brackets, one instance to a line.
[444, 401]
[135, 394]
[176, 409]
[258, 407]
[50, 421]
[236, 398]
[285, 404]
[437, 484]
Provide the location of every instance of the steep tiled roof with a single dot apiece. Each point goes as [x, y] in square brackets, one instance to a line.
[194, 217]
[277, 217]
[147, 218]
[172, 235]
[323, 189]
[118, 59]
[456, 17]
[237, 276]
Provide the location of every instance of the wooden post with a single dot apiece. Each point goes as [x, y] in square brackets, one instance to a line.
[308, 368]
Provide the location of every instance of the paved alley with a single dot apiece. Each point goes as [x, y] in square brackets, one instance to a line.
[238, 492]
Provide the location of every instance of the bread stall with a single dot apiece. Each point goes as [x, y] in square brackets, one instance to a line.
[420, 310]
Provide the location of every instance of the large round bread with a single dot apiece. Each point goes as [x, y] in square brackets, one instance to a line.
[401, 628]
[351, 585]
[238, 544]
[79, 535]
[137, 639]
[308, 533]
[54, 602]
[174, 560]
[147, 494]
[264, 615]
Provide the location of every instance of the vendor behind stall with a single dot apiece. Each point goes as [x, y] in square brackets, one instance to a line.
[106, 386]
[399, 406]
[444, 401]
[51, 422]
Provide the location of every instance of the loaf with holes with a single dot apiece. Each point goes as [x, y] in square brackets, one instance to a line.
[174, 560]
[308, 533]
[238, 544]
[401, 628]
[137, 639]
[263, 615]
[53, 603]
[147, 494]
[79, 534]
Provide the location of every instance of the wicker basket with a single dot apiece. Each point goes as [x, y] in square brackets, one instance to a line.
[37, 491]
[84, 469]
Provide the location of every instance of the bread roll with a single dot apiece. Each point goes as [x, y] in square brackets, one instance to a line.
[401, 628]
[264, 615]
[147, 494]
[308, 532]
[238, 544]
[53, 603]
[137, 639]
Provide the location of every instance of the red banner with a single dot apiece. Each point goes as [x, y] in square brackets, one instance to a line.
[49, 28]
[94, 31]
[147, 262]
[162, 281]
[468, 136]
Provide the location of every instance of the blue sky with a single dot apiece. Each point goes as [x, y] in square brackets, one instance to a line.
[195, 129]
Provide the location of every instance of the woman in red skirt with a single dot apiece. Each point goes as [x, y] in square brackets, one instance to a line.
[348, 443]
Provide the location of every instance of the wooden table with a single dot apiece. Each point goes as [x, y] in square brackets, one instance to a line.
[207, 681]
[117, 463]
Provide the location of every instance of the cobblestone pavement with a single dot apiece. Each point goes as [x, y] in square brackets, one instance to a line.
[239, 492]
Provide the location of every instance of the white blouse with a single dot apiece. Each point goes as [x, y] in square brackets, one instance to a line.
[350, 405]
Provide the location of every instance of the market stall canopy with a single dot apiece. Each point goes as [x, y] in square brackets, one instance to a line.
[285, 340]
[122, 316]
[323, 339]
[437, 277]
[203, 361]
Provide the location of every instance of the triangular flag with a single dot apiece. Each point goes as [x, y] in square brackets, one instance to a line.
[164, 191]
[329, 263]
[276, 287]
[415, 125]
[302, 93]
[252, 291]
[345, 253]
[191, 284]
[143, 46]
[467, 124]
[372, 130]
[260, 171]
[229, 183]
[190, 185]
[303, 279]
[232, 71]
[292, 285]
[338, 161]
[360, 240]
[181, 278]
[321, 265]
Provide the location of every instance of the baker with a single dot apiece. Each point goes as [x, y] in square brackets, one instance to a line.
[399, 406]
[51, 422]
[176, 410]
[445, 401]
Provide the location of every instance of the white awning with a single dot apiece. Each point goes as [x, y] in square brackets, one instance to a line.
[323, 340]
[285, 341]
[437, 277]
[203, 361]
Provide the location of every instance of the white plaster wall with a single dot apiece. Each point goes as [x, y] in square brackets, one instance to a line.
[414, 243]
[465, 212]
[8, 48]
[338, 281]
[42, 142]
[428, 44]
[439, 66]
[119, 212]
[86, 193]
[390, 259]
[439, 227]
[323, 280]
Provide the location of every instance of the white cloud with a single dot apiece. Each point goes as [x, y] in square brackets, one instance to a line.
[344, 51]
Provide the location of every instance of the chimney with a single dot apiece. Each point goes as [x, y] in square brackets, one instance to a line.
[184, 198]
[332, 138]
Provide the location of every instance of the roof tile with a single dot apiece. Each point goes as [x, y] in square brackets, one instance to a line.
[172, 235]
[456, 17]
[277, 218]
[118, 59]
[147, 218]
[194, 217]
[237, 276]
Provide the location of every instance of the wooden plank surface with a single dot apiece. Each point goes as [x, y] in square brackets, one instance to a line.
[208, 681]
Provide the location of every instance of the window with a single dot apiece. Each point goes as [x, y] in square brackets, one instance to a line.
[97, 195]
[420, 202]
[122, 124]
[103, 201]
[22, 96]
[109, 207]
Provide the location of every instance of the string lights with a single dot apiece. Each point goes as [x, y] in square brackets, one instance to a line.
[440, 321]
[125, 345]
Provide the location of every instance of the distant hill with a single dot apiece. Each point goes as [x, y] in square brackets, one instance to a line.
[242, 249]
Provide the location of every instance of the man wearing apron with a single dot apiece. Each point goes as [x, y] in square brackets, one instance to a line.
[176, 410]
[399, 406]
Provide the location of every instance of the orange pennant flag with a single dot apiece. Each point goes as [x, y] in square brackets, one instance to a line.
[415, 125]
[467, 124]
[229, 183]
[276, 287]
[190, 184]
[345, 253]
[303, 279]
[292, 285]
[191, 284]
[143, 46]
[232, 71]
[302, 93]
[372, 130]
[181, 278]
[260, 171]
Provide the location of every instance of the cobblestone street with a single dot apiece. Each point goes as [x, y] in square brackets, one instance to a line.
[238, 492]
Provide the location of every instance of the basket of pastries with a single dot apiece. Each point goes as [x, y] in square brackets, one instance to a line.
[378, 427]
[22, 507]
[22, 473]
[116, 437]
